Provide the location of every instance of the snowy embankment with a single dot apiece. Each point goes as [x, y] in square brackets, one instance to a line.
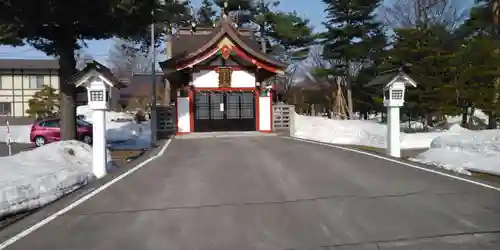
[120, 127]
[462, 150]
[355, 132]
[456, 149]
[477, 151]
[28, 182]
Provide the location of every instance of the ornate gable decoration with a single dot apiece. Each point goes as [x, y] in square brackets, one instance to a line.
[224, 77]
[225, 51]
[226, 41]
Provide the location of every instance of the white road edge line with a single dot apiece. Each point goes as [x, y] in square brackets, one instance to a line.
[66, 209]
[400, 162]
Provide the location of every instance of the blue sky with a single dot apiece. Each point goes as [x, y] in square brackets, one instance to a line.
[310, 9]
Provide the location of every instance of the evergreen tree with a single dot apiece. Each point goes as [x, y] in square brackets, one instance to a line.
[352, 34]
[234, 5]
[45, 102]
[479, 77]
[484, 22]
[429, 53]
[290, 37]
[57, 29]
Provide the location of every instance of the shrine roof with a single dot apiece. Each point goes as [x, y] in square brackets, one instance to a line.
[188, 46]
[186, 42]
[387, 78]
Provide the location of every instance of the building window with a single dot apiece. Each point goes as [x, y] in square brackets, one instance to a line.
[36, 82]
[1, 84]
[5, 108]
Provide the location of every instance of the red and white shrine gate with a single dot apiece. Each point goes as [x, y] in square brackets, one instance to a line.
[218, 84]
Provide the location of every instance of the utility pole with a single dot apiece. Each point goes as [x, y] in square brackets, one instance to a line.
[495, 5]
[153, 76]
[348, 85]
[263, 45]
[168, 52]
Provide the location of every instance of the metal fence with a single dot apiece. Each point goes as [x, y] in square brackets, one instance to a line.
[283, 119]
[165, 126]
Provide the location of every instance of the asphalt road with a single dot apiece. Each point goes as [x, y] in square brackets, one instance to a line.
[276, 193]
[16, 148]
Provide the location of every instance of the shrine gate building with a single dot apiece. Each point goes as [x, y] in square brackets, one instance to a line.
[216, 77]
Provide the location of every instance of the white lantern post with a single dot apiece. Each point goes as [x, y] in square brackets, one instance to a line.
[394, 94]
[98, 80]
[98, 102]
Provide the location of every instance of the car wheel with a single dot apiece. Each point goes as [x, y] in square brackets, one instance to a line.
[40, 141]
[87, 139]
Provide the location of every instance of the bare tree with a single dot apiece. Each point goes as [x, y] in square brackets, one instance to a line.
[81, 59]
[126, 59]
[410, 13]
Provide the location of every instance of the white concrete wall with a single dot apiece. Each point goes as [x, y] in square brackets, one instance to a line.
[206, 79]
[183, 116]
[210, 79]
[265, 118]
[242, 79]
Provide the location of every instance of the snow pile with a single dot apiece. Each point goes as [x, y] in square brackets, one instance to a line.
[345, 132]
[111, 116]
[419, 140]
[479, 119]
[355, 132]
[469, 150]
[18, 133]
[457, 128]
[28, 182]
[121, 130]
[412, 125]
[129, 135]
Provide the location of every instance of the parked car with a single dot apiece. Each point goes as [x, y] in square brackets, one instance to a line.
[47, 130]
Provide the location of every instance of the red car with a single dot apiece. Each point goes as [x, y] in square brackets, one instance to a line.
[48, 130]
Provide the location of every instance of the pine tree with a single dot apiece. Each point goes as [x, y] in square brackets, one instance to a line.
[429, 52]
[58, 29]
[352, 33]
[484, 21]
[206, 14]
[290, 37]
[233, 5]
[45, 102]
[479, 81]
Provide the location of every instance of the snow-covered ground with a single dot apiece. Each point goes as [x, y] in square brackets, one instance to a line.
[355, 132]
[469, 150]
[111, 116]
[28, 182]
[455, 149]
[120, 130]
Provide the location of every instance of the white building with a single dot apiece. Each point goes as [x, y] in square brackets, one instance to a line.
[20, 79]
